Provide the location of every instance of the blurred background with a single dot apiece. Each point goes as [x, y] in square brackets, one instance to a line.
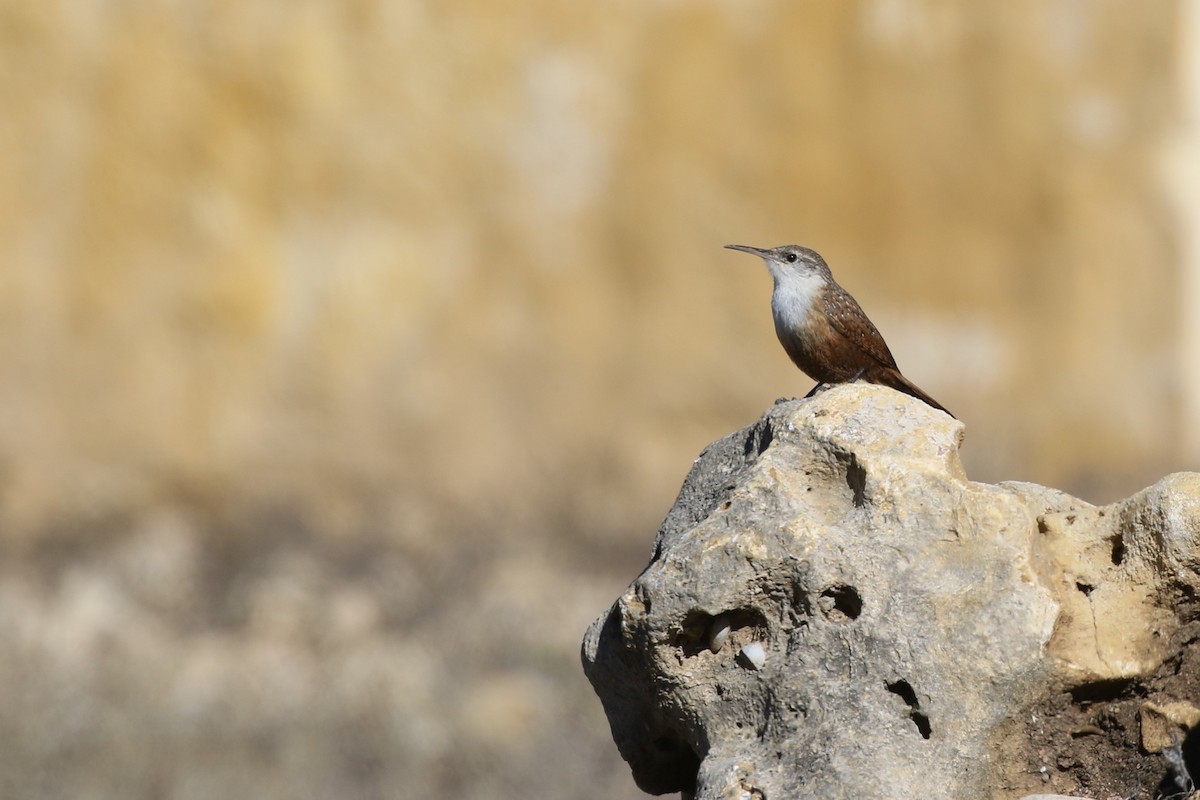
[351, 351]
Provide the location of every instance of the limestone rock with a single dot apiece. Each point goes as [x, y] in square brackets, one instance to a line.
[1166, 725]
[833, 610]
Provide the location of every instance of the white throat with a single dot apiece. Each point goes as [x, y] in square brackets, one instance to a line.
[793, 297]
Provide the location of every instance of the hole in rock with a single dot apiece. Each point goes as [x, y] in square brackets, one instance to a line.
[692, 635]
[1086, 588]
[856, 478]
[1118, 549]
[905, 691]
[698, 631]
[668, 744]
[922, 722]
[840, 603]
[667, 765]
[1100, 691]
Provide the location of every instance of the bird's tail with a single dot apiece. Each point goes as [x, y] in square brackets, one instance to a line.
[892, 378]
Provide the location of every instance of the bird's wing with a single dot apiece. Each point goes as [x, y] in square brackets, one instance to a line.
[848, 319]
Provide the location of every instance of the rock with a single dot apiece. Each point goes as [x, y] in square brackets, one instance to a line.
[1166, 725]
[907, 625]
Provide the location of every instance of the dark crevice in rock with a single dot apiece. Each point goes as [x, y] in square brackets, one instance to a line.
[1100, 691]
[856, 478]
[702, 632]
[905, 691]
[691, 637]
[1118, 549]
[675, 765]
[841, 603]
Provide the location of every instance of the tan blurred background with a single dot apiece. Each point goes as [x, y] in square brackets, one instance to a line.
[351, 351]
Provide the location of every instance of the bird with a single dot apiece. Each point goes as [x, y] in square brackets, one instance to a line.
[823, 329]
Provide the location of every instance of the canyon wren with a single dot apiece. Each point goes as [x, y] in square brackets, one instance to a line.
[822, 328]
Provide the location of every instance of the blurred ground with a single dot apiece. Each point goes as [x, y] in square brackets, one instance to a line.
[181, 661]
[350, 352]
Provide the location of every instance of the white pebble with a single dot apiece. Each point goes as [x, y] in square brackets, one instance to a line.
[718, 632]
[755, 654]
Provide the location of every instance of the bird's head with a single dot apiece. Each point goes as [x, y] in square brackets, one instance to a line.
[788, 261]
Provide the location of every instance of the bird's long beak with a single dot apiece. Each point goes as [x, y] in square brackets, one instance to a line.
[745, 248]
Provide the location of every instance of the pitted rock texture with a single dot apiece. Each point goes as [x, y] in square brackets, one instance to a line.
[833, 610]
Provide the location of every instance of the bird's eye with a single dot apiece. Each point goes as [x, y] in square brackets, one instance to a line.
[791, 258]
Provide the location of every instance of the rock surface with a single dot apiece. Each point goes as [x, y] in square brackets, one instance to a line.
[833, 610]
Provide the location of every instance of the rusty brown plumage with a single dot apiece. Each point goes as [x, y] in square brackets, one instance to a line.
[823, 329]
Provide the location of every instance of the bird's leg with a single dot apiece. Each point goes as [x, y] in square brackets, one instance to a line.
[822, 386]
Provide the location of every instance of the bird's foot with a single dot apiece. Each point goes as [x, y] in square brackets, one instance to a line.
[820, 387]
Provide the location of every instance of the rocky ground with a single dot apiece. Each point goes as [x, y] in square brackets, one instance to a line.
[190, 658]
